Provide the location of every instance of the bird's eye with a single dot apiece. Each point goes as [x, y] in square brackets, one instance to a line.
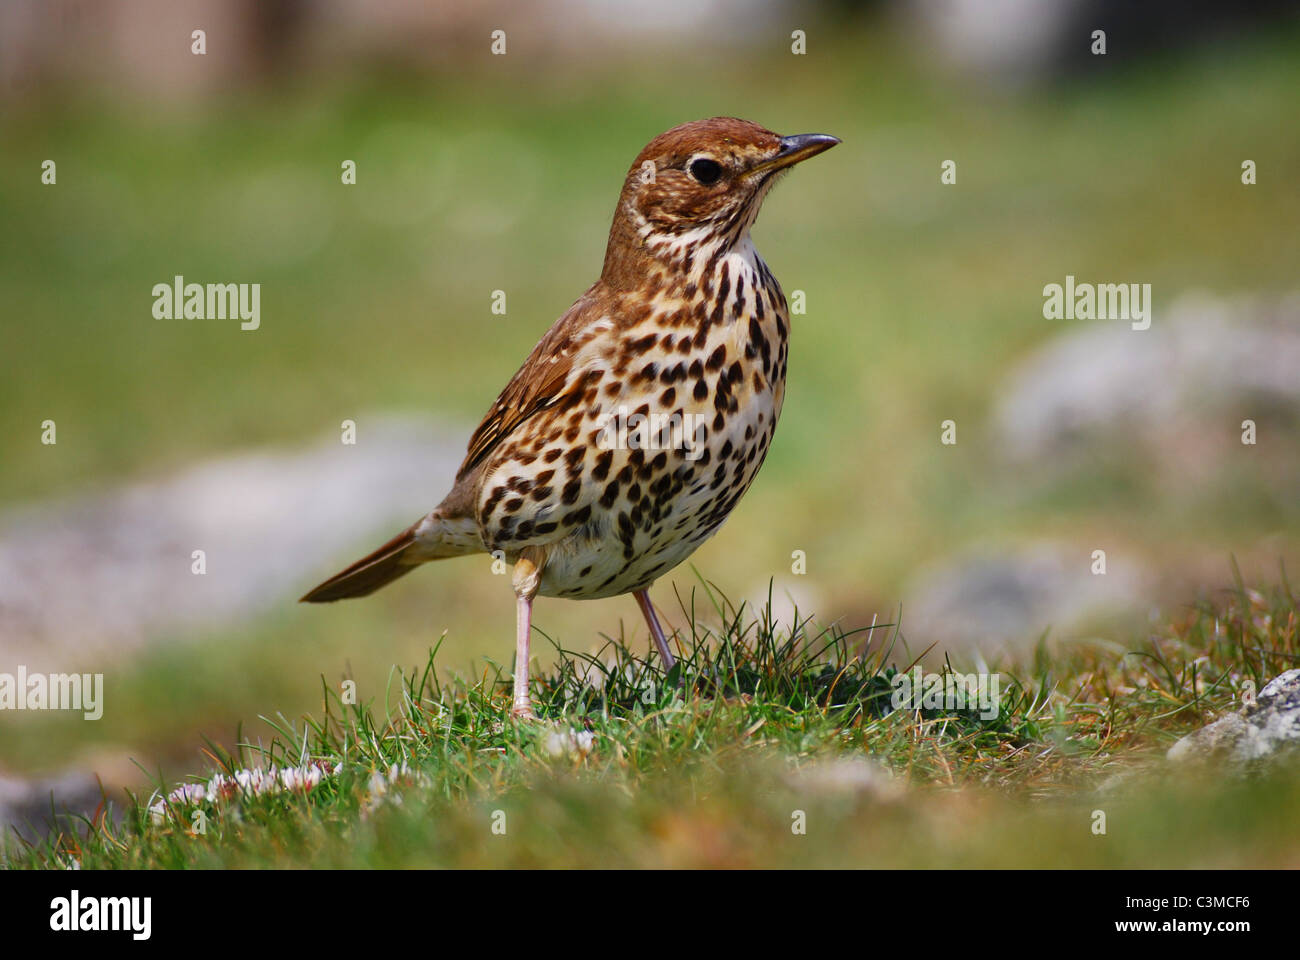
[706, 171]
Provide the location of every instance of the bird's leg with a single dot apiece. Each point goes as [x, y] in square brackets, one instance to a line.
[527, 578]
[656, 631]
[523, 704]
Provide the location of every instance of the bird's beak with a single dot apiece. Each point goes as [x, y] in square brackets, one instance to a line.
[794, 149]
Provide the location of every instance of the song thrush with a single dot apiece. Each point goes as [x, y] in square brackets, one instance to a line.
[641, 417]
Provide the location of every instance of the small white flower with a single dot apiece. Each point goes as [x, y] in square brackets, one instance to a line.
[300, 778]
[188, 793]
[219, 786]
[257, 781]
[559, 743]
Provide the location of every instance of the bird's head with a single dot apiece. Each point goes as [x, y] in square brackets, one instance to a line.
[700, 185]
[704, 181]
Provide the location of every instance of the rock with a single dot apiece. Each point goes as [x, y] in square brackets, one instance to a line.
[1005, 596]
[31, 808]
[974, 37]
[33, 805]
[1193, 375]
[850, 777]
[93, 576]
[1264, 732]
[1019, 43]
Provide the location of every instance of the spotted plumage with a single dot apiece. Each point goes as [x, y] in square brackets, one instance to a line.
[641, 417]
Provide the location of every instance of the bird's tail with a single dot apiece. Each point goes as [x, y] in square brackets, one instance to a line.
[433, 537]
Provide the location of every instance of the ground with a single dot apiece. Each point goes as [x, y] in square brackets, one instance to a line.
[922, 299]
[760, 750]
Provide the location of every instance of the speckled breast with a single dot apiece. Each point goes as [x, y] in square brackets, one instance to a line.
[668, 420]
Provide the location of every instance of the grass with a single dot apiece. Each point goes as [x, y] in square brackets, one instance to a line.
[922, 300]
[757, 731]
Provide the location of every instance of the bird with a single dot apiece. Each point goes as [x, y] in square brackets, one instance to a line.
[642, 415]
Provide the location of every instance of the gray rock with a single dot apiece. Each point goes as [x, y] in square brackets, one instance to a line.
[1262, 733]
[1004, 596]
[31, 808]
[89, 577]
[975, 36]
[1203, 365]
[848, 777]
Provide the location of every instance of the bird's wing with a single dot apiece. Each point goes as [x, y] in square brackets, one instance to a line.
[545, 377]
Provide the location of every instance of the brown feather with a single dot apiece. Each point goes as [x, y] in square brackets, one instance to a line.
[540, 381]
[544, 377]
[370, 572]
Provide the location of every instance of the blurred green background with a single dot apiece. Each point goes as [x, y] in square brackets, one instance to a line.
[478, 173]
